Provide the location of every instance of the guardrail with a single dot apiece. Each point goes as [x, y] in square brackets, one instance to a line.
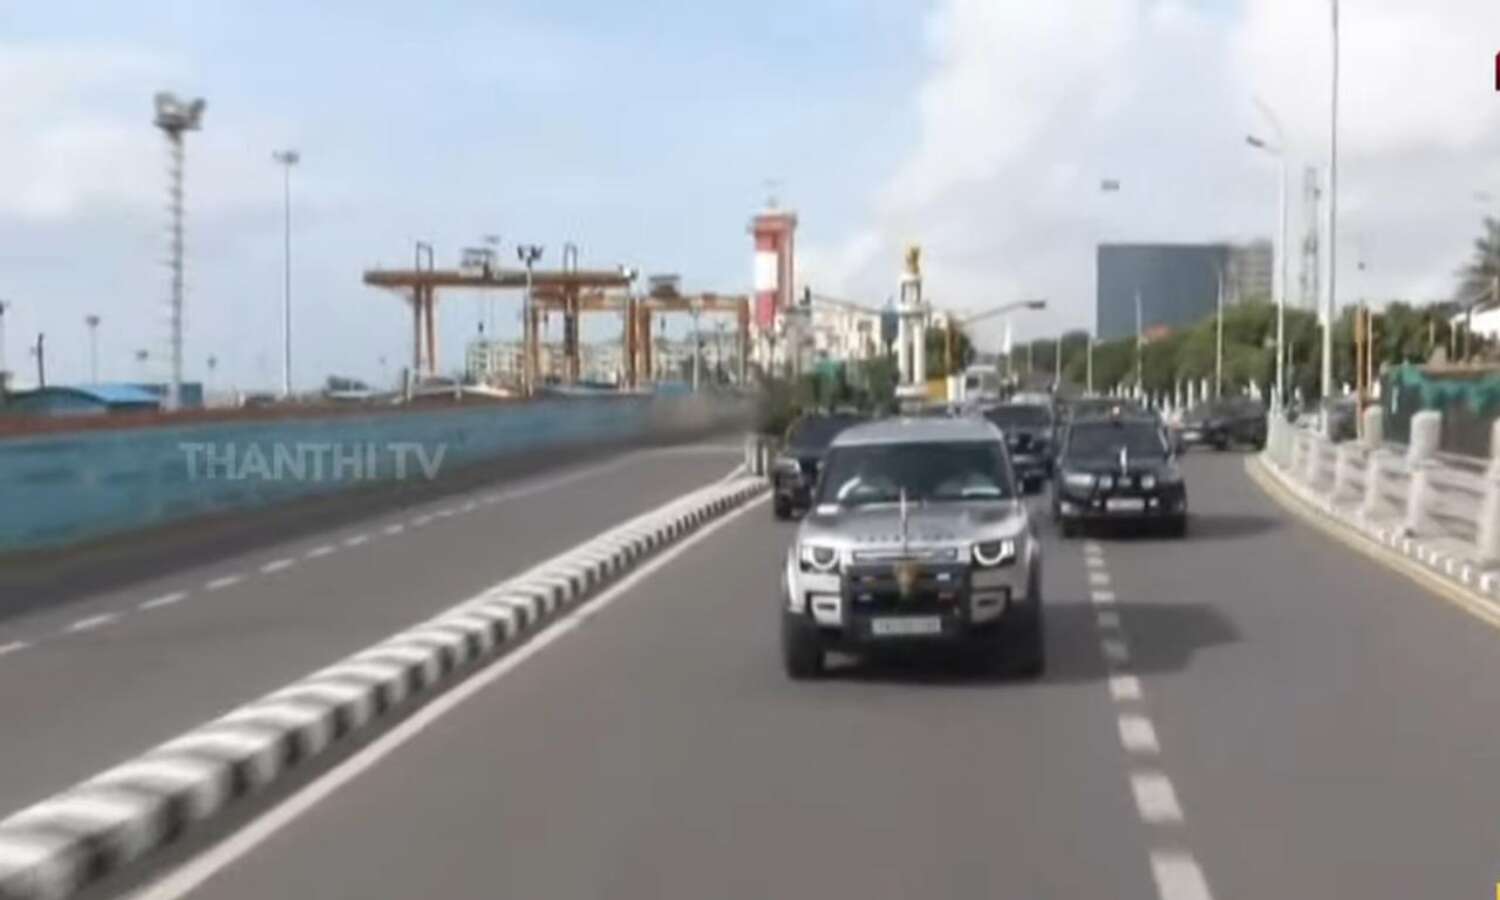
[1423, 492]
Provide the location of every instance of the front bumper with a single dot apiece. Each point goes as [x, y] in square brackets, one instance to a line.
[863, 608]
[1162, 502]
[1031, 467]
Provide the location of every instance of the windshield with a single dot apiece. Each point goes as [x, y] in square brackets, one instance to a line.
[817, 432]
[928, 471]
[1019, 416]
[1103, 440]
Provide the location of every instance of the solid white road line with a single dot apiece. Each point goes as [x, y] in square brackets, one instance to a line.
[13, 647]
[355, 540]
[1138, 735]
[203, 867]
[1178, 876]
[93, 622]
[1115, 651]
[276, 565]
[1155, 798]
[319, 551]
[164, 600]
[1099, 579]
[1124, 687]
[1102, 597]
[1108, 619]
[218, 584]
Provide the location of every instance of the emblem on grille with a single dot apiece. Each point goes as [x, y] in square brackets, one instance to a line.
[906, 578]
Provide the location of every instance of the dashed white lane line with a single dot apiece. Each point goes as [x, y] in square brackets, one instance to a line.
[1108, 619]
[319, 551]
[276, 565]
[1102, 597]
[164, 600]
[355, 540]
[469, 507]
[1115, 651]
[1178, 876]
[1124, 687]
[394, 529]
[219, 584]
[1094, 562]
[1093, 548]
[93, 622]
[421, 521]
[1155, 798]
[13, 647]
[1099, 579]
[1138, 735]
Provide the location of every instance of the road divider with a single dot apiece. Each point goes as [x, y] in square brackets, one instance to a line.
[56, 847]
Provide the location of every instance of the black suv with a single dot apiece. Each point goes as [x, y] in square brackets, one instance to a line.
[1119, 468]
[1223, 423]
[1029, 434]
[796, 468]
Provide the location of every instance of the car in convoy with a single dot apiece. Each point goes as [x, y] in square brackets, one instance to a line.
[917, 538]
[1223, 423]
[1030, 431]
[795, 469]
[1118, 468]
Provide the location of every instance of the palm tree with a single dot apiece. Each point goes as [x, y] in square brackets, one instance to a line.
[1479, 279]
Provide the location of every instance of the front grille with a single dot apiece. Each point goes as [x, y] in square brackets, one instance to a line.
[876, 589]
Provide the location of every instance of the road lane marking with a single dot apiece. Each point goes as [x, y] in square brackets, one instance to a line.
[1138, 735]
[1102, 597]
[1099, 579]
[421, 521]
[93, 622]
[164, 600]
[219, 584]
[1115, 651]
[1094, 562]
[394, 529]
[276, 565]
[469, 507]
[356, 540]
[13, 647]
[199, 869]
[1093, 548]
[1178, 876]
[320, 551]
[1108, 618]
[1155, 798]
[1124, 687]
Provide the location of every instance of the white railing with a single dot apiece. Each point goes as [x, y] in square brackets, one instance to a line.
[1420, 491]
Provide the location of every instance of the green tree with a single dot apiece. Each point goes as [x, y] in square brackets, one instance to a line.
[1480, 278]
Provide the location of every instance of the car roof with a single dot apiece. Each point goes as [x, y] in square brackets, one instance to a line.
[914, 429]
[1125, 418]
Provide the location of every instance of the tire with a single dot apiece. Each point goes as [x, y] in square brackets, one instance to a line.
[801, 649]
[1067, 528]
[781, 510]
[1031, 643]
[1177, 526]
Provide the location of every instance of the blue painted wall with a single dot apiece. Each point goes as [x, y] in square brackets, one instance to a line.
[58, 489]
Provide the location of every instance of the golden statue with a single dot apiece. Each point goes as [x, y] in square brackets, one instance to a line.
[914, 259]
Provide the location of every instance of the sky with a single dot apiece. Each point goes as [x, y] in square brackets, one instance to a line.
[646, 133]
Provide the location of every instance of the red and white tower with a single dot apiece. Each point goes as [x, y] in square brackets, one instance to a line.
[775, 232]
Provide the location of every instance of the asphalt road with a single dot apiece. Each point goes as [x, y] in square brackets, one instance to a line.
[92, 682]
[1252, 712]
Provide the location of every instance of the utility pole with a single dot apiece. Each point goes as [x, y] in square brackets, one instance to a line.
[1333, 222]
[528, 254]
[1140, 344]
[1219, 340]
[4, 305]
[173, 117]
[40, 352]
[1089, 367]
[1057, 365]
[287, 158]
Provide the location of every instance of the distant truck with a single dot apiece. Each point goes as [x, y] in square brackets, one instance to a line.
[977, 385]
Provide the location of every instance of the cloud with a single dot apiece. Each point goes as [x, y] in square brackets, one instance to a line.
[1025, 107]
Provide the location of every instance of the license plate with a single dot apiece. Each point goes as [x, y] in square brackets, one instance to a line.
[1125, 504]
[906, 625]
[1192, 435]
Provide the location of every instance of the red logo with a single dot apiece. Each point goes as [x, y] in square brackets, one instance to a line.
[1497, 71]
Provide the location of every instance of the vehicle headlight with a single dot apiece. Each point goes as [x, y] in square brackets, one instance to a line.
[995, 553]
[1081, 480]
[1148, 481]
[818, 559]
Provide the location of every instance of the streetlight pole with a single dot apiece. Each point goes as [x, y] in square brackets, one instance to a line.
[286, 158]
[1057, 365]
[1279, 151]
[92, 322]
[173, 117]
[1333, 221]
[1140, 343]
[1089, 366]
[1219, 338]
[4, 305]
[528, 254]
